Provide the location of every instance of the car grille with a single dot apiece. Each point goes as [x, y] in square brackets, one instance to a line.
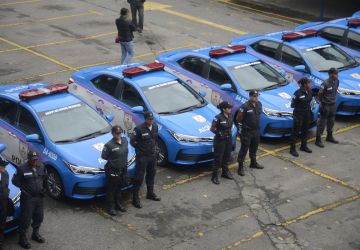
[347, 108]
[88, 190]
[196, 158]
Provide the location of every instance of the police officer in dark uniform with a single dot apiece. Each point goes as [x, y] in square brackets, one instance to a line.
[144, 140]
[302, 116]
[222, 128]
[116, 153]
[327, 98]
[4, 198]
[31, 179]
[248, 120]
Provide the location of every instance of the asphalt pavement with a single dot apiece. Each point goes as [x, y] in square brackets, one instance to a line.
[310, 202]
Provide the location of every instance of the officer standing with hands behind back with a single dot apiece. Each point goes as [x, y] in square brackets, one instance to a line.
[144, 140]
[248, 119]
[116, 153]
[31, 179]
[302, 116]
[222, 128]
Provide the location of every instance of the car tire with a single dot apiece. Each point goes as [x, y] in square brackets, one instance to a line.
[162, 158]
[54, 185]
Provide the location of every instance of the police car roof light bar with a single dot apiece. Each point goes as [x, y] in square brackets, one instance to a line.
[48, 90]
[231, 49]
[300, 34]
[354, 22]
[150, 67]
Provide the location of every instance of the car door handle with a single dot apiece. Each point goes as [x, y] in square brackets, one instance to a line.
[12, 134]
[90, 92]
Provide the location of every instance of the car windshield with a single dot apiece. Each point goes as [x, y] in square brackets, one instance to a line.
[257, 75]
[172, 97]
[323, 58]
[73, 123]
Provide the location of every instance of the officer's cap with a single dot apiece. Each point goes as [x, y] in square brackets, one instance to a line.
[3, 163]
[116, 130]
[333, 71]
[253, 93]
[148, 115]
[33, 156]
[224, 105]
[304, 81]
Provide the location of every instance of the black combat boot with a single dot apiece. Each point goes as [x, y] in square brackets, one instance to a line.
[111, 210]
[136, 198]
[318, 142]
[305, 148]
[254, 164]
[293, 151]
[151, 194]
[241, 171]
[36, 236]
[215, 177]
[23, 241]
[330, 138]
[120, 204]
[226, 173]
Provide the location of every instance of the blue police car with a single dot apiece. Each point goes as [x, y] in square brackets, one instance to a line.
[14, 210]
[228, 73]
[345, 32]
[183, 115]
[304, 54]
[67, 134]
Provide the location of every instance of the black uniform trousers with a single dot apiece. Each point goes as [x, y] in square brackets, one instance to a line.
[3, 215]
[249, 141]
[222, 153]
[116, 180]
[327, 117]
[301, 121]
[145, 164]
[31, 208]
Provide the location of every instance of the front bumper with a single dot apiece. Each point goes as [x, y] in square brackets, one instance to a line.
[347, 104]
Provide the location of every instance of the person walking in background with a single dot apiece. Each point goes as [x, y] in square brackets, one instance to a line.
[125, 36]
[137, 6]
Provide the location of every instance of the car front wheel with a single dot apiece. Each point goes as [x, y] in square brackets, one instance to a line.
[54, 185]
[162, 157]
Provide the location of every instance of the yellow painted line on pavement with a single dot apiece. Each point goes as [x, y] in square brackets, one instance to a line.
[265, 13]
[302, 217]
[167, 9]
[61, 41]
[20, 2]
[88, 13]
[37, 54]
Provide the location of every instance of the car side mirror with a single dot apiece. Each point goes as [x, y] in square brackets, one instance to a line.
[109, 117]
[300, 68]
[202, 93]
[33, 138]
[137, 109]
[226, 87]
[2, 147]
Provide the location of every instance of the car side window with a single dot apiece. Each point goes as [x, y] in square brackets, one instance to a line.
[8, 111]
[27, 123]
[193, 64]
[354, 40]
[332, 34]
[290, 56]
[268, 48]
[218, 75]
[131, 96]
[106, 84]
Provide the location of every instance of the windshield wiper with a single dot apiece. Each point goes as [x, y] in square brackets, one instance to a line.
[65, 141]
[88, 136]
[270, 87]
[348, 66]
[187, 108]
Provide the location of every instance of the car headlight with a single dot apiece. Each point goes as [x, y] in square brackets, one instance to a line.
[190, 138]
[83, 170]
[277, 113]
[16, 198]
[131, 161]
[343, 91]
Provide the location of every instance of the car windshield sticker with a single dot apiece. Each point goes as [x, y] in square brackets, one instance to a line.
[199, 118]
[245, 65]
[51, 112]
[355, 75]
[318, 47]
[99, 146]
[284, 95]
[161, 85]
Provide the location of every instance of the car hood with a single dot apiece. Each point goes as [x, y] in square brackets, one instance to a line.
[195, 123]
[87, 153]
[349, 79]
[279, 98]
